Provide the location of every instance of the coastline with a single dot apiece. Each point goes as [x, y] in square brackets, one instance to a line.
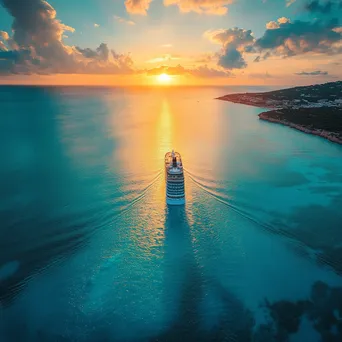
[321, 133]
[246, 101]
[277, 107]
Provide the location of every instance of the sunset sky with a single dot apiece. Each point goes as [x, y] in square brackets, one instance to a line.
[135, 42]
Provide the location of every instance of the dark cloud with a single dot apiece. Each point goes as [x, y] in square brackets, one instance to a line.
[87, 52]
[37, 43]
[231, 58]
[238, 37]
[282, 38]
[312, 73]
[299, 37]
[235, 42]
[201, 71]
[315, 6]
[101, 53]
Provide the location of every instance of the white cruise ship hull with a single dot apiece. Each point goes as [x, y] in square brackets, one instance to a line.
[174, 177]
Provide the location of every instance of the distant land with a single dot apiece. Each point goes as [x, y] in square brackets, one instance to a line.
[315, 109]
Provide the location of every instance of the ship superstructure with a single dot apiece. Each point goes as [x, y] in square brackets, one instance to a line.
[175, 190]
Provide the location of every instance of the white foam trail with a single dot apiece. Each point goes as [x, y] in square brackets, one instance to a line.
[281, 232]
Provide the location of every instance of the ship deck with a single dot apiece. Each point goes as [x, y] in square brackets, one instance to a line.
[168, 164]
[168, 158]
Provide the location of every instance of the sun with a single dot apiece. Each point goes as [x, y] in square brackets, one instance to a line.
[164, 78]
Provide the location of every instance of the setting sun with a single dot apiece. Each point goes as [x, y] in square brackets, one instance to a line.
[164, 78]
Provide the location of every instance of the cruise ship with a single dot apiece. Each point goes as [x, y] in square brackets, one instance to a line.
[175, 191]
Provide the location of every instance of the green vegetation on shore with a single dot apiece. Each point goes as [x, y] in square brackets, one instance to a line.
[319, 95]
[322, 118]
[315, 109]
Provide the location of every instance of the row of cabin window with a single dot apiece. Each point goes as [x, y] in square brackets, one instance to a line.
[175, 190]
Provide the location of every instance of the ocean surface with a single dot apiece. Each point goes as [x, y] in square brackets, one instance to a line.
[89, 251]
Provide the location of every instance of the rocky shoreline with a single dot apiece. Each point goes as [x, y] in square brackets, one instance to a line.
[315, 110]
[321, 133]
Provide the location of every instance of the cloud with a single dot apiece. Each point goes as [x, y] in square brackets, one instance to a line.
[3, 38]
[206, 72]
[101, 53]
[164, 69]
[234, 36]
[124, 21]
[137, 6]
[327, 7]
[200, 71]
[8, 58]
[164, 58]
[265, 75]
[214, 7]
[36, 45]
[282, 38]
[166, 45]
[315, 7]
[6, 42]
[104, 60]
[4, 35]
[312, 73]
[231, 58]
[235, 42]
[96, 25]
[290, 2]
[205, 58]
[272, 25]
[291, 39]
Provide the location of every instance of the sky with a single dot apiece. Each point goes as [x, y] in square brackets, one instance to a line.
[176, 42]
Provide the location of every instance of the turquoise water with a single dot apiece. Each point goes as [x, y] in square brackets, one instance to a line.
[89, 251]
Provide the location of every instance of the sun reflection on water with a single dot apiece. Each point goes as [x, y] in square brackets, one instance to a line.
[142, 155]
[165, 130]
